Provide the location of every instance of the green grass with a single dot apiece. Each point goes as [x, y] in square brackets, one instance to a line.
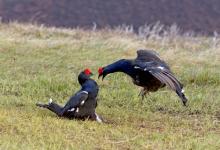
[37, 63]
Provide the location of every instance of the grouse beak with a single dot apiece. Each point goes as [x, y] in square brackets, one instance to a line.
[101, 75]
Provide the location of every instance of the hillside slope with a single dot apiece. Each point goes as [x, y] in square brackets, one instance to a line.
[37, 63]
[200, 16]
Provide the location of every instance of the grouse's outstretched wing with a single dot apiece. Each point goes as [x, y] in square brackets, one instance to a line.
[164, 75]
[76, 100]
[148, 56]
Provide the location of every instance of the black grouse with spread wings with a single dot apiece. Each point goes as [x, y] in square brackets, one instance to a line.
[147, 71]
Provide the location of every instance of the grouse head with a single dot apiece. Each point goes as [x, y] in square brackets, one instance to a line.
[102, 72]
[88, 72]
[84, 75]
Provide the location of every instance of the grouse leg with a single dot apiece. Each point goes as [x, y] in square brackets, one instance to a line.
[95, 117]
[57, 109]
[143, 93]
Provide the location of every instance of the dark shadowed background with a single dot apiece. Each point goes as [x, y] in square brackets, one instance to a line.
[201, 16]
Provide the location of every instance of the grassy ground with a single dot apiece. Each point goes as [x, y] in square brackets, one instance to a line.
[37, 63]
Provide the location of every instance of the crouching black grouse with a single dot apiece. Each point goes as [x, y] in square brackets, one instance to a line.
[82, 104]
[147, 71]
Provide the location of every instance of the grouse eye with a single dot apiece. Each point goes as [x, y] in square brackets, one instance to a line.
[100, 70]
[87, 71]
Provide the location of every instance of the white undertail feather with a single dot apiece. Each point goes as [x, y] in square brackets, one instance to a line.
[50, 100]
[82, 102]
[98, 119]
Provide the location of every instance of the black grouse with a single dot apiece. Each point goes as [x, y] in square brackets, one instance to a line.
[147, 71]
[82, 104]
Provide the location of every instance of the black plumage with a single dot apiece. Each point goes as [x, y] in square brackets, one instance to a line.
[149, 71]
[82, 104]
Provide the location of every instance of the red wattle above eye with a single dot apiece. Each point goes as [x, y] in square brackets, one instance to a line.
[87, 71]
